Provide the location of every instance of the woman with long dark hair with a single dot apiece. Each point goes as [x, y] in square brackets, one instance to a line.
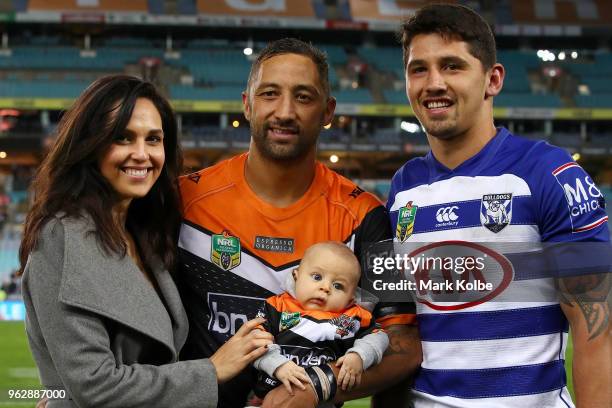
[104, 319]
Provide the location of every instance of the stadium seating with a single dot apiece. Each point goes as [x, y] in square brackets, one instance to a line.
[69, 58]
[600, 140]
[600, 100]
[383, 58]
[568, 140]
[221, 93]
[598, 85]
[387, 136]
[9, 254]
[526, 100]
[335, 54]
[334, 136]
[593, 12]
[218, 67]
[353, 96]
[41, 89]
[396, 97]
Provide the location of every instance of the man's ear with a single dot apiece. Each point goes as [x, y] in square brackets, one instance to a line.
[330, 108]
[495, 80]
[246, 106]
[294, 273]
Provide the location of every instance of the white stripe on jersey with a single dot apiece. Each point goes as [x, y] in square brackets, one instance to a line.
[512, 233]
[518, 295]
[552, 399]
[481, 354]
[463, 189]
[490, 306]
[250, 268]
[318, 331]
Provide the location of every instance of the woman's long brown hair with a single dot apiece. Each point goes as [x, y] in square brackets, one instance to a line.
[69, 180]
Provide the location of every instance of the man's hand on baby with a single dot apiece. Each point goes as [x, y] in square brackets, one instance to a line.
[351, 368]
[291, 373]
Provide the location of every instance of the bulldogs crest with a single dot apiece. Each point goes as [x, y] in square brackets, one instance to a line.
[496, 211]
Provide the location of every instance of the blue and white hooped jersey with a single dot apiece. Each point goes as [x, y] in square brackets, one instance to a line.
[496, 354]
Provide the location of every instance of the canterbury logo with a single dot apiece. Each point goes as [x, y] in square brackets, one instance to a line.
[447, 214]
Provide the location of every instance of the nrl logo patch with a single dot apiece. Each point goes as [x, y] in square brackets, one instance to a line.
[496, 211]
[405, 221]
[225, 251]
[344, 325]
[288, 320]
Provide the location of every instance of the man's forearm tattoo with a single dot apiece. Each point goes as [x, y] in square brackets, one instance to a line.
[592, 295]
[402, 339]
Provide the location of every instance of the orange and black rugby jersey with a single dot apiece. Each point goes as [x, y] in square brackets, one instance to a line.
[311, 337]
[236, 249]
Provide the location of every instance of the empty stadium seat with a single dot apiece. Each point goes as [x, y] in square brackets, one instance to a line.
[219, 93]
[566, 139]
[42, 89]
[526, 100]
[598, 85]
[353, 96]
[602, 100]
[396, 97]
[383, 58]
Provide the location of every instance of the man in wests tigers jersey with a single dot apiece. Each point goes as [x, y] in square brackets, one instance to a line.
[249, 219]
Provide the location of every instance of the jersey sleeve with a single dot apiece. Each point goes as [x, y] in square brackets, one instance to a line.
[573, 222]
[391, 313]
[392, 219]
[571, 207]
[374, 228]
[272, 316]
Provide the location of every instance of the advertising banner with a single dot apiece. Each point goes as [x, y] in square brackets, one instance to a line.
[391, 10]
[263, 8]
[88, 5]
[12, 310]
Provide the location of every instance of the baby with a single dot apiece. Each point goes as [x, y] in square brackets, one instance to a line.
[317, 321]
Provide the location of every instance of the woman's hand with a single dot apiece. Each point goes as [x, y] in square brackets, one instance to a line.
[248, 344]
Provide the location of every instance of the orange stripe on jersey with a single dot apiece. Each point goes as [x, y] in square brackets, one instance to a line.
[287, 303]
[390, 320]
[219, 199]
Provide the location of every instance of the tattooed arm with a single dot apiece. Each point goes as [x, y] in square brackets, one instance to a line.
[399, 363]
[586, 304]
[404, 353]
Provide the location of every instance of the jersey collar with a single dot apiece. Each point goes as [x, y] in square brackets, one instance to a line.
[472, 166]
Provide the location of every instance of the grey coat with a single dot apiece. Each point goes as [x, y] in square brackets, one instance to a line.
[98, 329]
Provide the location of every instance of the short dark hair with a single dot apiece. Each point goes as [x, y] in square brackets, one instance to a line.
[293, 46]
[452, 21]
[69, 180]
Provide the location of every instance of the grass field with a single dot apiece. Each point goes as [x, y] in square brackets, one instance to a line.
[17, 369]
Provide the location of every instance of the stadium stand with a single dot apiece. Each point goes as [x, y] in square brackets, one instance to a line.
[9, 257]
[395, 97]
[527, 100]
[288, 8]
[88, 5]
[587, 12]
[218, 93]
[194, 51]
[353, 96]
